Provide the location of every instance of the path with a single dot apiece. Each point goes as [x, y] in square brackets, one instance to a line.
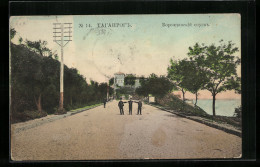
[101, 133]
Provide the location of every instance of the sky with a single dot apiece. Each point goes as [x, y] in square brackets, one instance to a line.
[141, 45]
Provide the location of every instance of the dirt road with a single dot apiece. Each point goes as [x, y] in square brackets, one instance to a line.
[101, 133]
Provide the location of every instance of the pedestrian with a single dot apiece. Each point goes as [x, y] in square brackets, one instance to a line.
[121, 106]
[130, 102]
[139, 111]
[105, 101]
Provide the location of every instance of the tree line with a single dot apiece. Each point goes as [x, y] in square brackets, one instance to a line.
[35, 81]
[212, 68]
[158, 86]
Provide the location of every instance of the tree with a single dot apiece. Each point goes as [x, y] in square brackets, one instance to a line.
[178, 74]
[111, 81]
[130, 80]
[160, 86]
[28, 72]
[35, 84]
[103, 90]
[111, 91]
[38, 46]
[153, 75]
[219, 64]
[194, 78]
[143, 90]
[142, 79]
[157, 86]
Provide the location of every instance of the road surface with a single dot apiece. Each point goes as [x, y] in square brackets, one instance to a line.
[102, 133]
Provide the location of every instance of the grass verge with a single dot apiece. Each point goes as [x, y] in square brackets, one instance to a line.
[171, 102]
[86, 107]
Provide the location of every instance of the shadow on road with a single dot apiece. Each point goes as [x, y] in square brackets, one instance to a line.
[172, 115]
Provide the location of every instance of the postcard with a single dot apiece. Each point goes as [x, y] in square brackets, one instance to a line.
[125, 87]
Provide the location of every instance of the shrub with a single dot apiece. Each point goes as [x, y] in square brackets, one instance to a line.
[177, 104]
[238, 112]
[27, 115]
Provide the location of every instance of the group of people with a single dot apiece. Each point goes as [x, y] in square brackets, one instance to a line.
[130, 102]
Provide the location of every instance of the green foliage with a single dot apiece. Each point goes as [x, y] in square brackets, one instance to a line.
[174, 103]
[35, 84]
[130, 80]
[178, 74]
[219, 65]
[142, 80]
[126, 91]
[142, 91]
[188, 76]
[111, 91]
[127, 96]
[238, 112]
[111, 81]
[157, 86]
[38, 46]
[160, 86]
[27, 115]
[210, 67]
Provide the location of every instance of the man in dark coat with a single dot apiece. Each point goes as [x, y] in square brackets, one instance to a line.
[121, 106]
[130, 102]
[139, 107]
[105, 101]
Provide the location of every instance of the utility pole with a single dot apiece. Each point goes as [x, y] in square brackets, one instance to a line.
[62, 36]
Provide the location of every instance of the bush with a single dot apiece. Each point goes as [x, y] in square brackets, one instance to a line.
[174, 103]
[60, 111]
[238, 112]
[27, 115]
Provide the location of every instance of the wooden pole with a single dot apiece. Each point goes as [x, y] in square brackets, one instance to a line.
[61, 70]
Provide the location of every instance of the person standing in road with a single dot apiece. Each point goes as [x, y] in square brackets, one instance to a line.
[121, 106]
[139, 111]
[105, 101]
[130, 102]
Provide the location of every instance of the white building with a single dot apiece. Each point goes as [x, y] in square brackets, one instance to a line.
[119, 80]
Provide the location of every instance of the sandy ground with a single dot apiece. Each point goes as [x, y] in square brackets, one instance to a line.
[101, 133]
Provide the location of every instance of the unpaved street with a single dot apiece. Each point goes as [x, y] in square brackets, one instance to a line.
[101, 133]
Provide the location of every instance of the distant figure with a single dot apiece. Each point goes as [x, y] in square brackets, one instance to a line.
[121, 106]
[105, 101]
[130, 102]
[139, 107]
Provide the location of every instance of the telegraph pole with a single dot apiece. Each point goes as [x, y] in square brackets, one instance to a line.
[62, 36]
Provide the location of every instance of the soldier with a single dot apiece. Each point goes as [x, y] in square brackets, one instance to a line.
[105, 101]
[121, 105]
[130, 102]
[139, 107]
